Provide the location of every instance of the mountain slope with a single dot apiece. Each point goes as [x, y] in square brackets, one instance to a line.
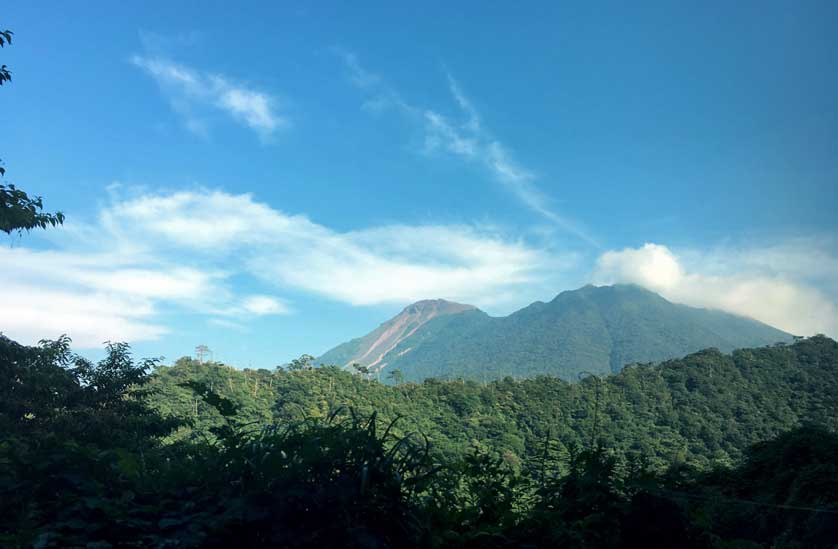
[371, 349]
[592, 329]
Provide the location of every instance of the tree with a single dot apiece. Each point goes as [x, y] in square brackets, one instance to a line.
[19, 211]
[362, 370]
[201, 351]
[5, 74]
[303, 363]
[396, 376]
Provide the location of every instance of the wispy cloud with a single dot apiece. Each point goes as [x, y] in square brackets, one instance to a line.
[473, 118]
[380, 96]
[191, 92]
[153, 255]
[466, 138]
[789, 285]
[264, 305]
[386, 264]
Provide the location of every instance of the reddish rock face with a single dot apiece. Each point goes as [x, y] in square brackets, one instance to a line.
[375, 345]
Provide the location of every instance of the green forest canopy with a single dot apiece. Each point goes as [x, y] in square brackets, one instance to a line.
[703, 409]
[708, 451]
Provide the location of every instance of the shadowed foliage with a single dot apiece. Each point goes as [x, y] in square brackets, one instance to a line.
[19, 211]
[130, 453]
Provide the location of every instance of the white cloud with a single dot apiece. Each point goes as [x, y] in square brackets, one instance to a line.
[190, 90]
[154, 255]
[395, 263]
[228, 324]
[775, 284]
[399, 264]
[90, 317]
[208, 252]
[473, 122]
[358, 74]
[90, 296]
[467, 139]
[252, 108]
[652, 265]
[264, 305]
[380, 96]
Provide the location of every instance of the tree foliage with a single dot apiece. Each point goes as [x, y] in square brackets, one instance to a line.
[5, 74]
[18, 210]
[133, 453]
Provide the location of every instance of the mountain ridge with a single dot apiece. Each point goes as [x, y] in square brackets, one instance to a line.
[596, 329]
[370, 350]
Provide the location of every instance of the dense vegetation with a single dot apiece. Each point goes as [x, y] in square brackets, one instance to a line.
[703, 409]
[592, 329]
[110, 454]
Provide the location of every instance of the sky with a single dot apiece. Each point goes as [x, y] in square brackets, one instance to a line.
[275, 179]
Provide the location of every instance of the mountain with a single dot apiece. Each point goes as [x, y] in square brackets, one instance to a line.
[371, 349]
[593, 329]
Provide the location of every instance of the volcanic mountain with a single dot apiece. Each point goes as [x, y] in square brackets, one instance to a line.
[593, 330]
[371, 349]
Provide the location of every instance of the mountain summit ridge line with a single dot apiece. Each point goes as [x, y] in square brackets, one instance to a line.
[595, 329]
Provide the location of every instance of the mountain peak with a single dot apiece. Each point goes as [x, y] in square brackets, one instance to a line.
[593, 328]
[438, 306]
[621, 289]
[371, 349]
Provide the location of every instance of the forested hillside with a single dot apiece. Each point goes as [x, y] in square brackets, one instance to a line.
[592, 329]
[704, 409]
[203, 455]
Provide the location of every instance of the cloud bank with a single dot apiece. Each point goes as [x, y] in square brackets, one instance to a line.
[791, 286]
[151, 256]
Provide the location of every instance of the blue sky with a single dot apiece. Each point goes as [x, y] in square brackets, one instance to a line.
[275, 178]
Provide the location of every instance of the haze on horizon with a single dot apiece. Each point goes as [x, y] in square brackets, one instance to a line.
[302, 179]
